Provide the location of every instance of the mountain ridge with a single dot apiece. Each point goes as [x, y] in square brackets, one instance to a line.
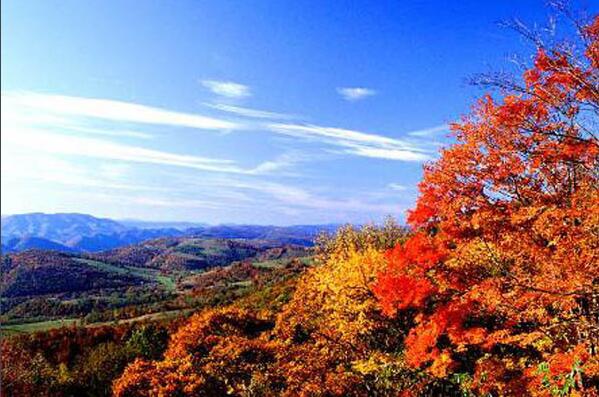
[76, 232]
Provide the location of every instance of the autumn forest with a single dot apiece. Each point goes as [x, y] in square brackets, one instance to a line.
[491, 289]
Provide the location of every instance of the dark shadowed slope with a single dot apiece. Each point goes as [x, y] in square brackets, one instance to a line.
[37, 272]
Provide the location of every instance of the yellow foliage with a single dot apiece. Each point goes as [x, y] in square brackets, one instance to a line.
[336, 298]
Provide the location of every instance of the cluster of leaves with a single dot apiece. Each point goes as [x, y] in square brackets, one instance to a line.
[76, 361]
[221, 351]
[217, 352]
[348, 240]
[334, 339]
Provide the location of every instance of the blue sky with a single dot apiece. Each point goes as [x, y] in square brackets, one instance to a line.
[269, 112]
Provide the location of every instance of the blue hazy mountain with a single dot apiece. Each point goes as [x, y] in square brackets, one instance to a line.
[26, 243]
[71, 232]
[57, 227]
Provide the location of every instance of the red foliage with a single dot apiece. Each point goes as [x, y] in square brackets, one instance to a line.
[504, 259]
[404, 283]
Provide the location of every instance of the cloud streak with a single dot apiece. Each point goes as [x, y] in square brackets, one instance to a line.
[247, 112]
[103, 147]
[356, 142]
[227, 89]
[107, 132]
[427, 132]
[112, 110]
[286, 196]
[52, 123]
[43, 168]
[397, 187]
[54, 143]
[52, 111]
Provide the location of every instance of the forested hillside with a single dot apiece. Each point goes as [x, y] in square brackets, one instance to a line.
[81, 360]
[33, 273]
[158, 275]
[492, 290]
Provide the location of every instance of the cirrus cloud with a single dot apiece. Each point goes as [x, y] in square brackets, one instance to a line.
[353, 94]
[356, 142]
[227, 89]
[108, 109]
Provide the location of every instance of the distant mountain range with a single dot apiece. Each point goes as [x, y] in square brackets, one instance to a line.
[70, 232]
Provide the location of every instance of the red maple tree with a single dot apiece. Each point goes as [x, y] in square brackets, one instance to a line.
[503, 266]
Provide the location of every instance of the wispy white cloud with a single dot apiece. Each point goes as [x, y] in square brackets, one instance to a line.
[54, 143]
[283, 161]
[356, 142]
[247, 112]
[389, 153]
[427, 132]
[74, 142]
[259, 192]
[111, 110]
[170, 202]
[49, 169]
[53, 123]
[106, 132]
[72, 113]
[353, 94]
[281, 195]
[227, 89]
[135, 202]
[397, 187]
[299, 197]
[337, 134]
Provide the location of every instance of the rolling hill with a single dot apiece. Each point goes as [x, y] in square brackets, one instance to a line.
[192, 253]
[27, 243]
[149, 277]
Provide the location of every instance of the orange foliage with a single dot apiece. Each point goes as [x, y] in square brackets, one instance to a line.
[503, 266]
[217, 352]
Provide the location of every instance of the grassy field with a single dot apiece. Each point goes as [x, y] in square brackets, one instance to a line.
[14, 329]
[147, 274]
[167, 282]
[104, 266]
[275, 263]
[38, 326]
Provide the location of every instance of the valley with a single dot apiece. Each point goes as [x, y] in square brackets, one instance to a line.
[156, 279]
